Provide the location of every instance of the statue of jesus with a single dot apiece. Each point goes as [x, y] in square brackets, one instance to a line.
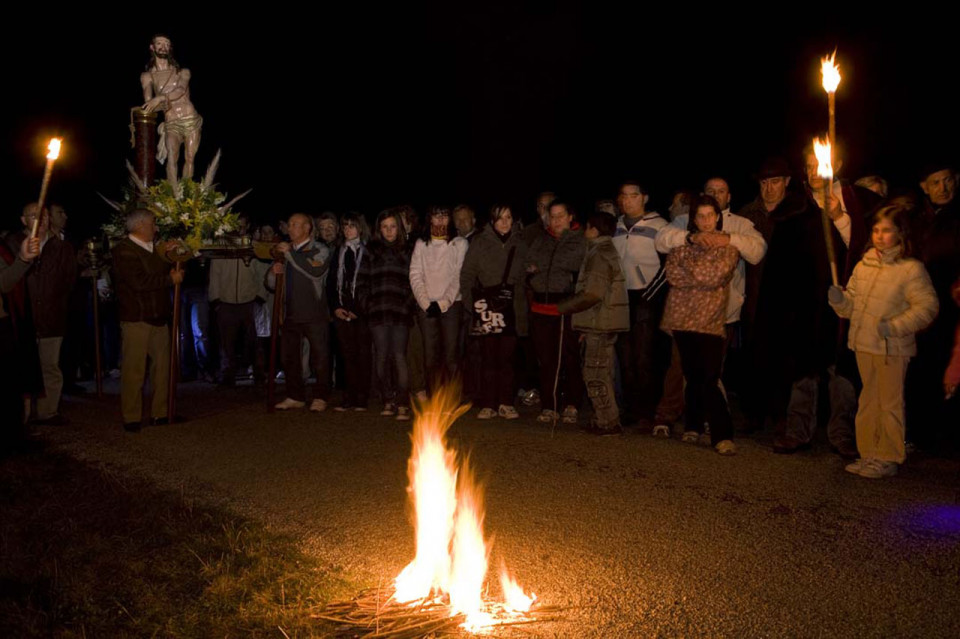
[166, 87]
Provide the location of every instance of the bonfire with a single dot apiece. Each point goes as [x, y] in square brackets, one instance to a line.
[444, 588]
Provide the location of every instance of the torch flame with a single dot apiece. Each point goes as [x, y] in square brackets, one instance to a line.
[824, 163]
[452, 554]
[830, 73]
[54, 149]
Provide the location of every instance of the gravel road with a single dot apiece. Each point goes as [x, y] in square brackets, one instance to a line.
[636, 537]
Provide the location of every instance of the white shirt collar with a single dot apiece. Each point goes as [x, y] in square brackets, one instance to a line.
[146, 246]
[297, 247]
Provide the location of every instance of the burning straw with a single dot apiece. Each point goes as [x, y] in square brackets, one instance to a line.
[442, 589]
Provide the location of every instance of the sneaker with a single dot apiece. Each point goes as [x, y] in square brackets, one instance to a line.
[690, 437]
[403, 414]
[360, 409]
[531, 397]
[875, 469]
[726, 447]
[342, 408]
[856, 466]
[508, 412]
[486, 413]
[662, 431]
[289, 403]
[389, 409]
[547, 416]
[570, 415]
[318, 406]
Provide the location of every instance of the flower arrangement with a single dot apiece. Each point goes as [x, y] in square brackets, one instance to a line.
[190, 211]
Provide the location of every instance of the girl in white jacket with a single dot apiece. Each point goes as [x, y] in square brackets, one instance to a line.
[435, 280]
[888, 299]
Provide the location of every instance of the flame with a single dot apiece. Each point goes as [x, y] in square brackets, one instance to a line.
[54, 149]
[830, 73]
[513, 594]
[824, 163]
[452, 553]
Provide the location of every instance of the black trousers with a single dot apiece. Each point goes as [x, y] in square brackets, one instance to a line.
[644, 354]
[317, 335]
[354, 342]
[701, 356]
[237, 322]
[545, 332]
[496, 369]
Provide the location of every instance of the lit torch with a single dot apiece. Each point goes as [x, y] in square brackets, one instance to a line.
[830, 78]
[54, 153]
[824, 151]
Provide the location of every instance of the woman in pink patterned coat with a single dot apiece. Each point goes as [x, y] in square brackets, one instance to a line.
[695, 313]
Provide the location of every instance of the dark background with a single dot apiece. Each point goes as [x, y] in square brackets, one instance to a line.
[368, 108]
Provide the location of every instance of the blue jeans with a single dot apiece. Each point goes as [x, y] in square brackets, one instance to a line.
[390, 342]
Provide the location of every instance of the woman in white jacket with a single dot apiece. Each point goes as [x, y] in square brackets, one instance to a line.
[435, 280]
[888, 299]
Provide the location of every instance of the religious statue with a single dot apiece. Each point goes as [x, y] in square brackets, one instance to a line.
[166, 87]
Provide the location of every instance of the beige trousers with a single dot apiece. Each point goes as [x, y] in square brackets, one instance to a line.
[49, 350]
[880, 425]
[140, 342]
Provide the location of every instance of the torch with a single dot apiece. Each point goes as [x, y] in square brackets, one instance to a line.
[830, 78]
[825, 171]
[53, 153]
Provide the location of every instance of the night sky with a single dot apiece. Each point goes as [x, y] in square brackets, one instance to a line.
[370, 108]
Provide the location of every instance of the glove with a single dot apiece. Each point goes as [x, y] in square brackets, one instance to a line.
[883, 327]
[835, 295]
[433, 310]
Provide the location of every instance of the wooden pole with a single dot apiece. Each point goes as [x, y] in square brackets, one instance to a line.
[828, 230]
[174, 353]
[96, 334]
[275, 322]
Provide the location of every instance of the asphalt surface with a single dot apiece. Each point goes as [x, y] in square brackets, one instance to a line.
[635, 537]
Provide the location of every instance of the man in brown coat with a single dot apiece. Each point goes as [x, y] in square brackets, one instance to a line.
[143, 280]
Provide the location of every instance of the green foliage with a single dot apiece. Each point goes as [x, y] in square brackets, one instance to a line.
[190, 212]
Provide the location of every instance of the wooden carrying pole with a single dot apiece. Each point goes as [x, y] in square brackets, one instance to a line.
[174, 352]
[275, 322]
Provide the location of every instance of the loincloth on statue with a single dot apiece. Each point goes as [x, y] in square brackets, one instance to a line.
[182, 127]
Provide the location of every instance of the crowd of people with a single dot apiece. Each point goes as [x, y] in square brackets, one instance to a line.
[663, 322]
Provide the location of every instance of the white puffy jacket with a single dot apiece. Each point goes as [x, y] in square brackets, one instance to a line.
[886, 286]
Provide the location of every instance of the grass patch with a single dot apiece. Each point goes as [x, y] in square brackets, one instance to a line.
[87, 552]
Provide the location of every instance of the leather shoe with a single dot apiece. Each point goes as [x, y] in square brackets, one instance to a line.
[163, 421]
[847, 450]
[786, 445]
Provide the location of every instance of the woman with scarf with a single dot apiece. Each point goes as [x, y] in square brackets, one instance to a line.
[351, 327]
[435, 280]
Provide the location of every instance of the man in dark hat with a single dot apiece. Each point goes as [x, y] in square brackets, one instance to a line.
[790, 332]
[936, 240]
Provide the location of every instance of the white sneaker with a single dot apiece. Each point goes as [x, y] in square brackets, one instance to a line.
[875, 469]
[289, 403]
[403, 414]
[690, 437]
[318, 406]
[508, 412]
[570, 415]
[856, 466]
[547, 416]
[726, 447]
[661, 430]
[486, 413]
[389, 410]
